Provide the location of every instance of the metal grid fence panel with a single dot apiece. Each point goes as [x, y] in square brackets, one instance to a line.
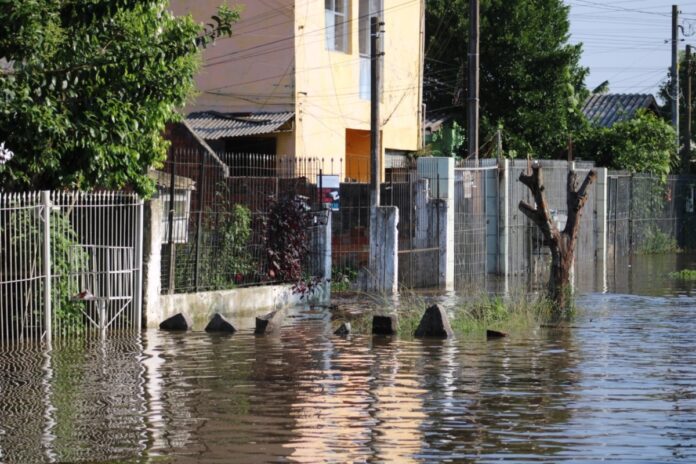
[221, 203]
[419, 254]
[70, 265]
[647, 214]
[471, 185]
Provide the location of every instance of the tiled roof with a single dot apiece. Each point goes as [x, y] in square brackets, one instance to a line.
[605, 110]
[212, 125]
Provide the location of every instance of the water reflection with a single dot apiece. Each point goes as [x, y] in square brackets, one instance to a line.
[619, 386]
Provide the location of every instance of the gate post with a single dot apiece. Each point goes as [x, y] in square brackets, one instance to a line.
[46, 203]
[504, 218]
[446, 222]
[384, 250]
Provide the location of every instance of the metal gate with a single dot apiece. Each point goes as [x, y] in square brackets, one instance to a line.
[70, 265]
[476, 202]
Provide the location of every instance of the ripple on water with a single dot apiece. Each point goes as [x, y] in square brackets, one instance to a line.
[620, 386]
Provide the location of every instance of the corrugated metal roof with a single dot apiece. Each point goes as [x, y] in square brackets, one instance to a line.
[605, 110]
[211, 125]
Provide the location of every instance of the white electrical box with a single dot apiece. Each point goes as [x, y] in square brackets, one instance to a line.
[437, 170]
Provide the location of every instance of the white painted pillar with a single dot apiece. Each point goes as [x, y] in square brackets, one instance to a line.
[504, 219]
[152, 308]
[602, 208]
[384, 250]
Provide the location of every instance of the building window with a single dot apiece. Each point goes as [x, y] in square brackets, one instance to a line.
[366, 10]
[337, 25]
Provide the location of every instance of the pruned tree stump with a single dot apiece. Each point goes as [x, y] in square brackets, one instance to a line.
[561, 243]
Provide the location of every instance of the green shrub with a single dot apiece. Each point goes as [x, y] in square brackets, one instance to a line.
[657, 242]
[684, 274]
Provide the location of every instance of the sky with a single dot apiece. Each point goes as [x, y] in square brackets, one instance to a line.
[628, 42]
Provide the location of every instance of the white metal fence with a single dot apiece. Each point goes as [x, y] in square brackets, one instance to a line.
[70, 264]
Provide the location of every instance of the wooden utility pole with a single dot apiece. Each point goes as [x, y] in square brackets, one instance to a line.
[375, 78]
[686, 154]
[473, 104]
[675, 70]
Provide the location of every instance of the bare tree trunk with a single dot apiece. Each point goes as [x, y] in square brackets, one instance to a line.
[561, 243]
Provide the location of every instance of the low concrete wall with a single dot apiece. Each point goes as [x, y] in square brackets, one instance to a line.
[240, 303]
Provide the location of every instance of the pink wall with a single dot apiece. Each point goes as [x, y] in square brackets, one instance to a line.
[254, 69]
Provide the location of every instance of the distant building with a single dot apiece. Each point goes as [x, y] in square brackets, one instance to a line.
[606, 110]
[294, 79]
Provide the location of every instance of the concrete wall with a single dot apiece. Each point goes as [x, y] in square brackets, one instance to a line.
[253, 69]
[236, 302]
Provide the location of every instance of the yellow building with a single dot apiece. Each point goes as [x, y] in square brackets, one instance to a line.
[294, 79]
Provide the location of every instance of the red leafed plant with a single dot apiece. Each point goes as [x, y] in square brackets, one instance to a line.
[287, 239]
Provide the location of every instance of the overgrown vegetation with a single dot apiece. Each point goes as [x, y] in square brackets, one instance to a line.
[642, 144]
[224, 257]
[86, 88]
[684, 274]
[472, 316]
[287, 242]
[342, 279]
[22, 232]
[655, 241]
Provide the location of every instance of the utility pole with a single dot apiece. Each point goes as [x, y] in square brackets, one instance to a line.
[375, 78]
[686, 155]
[675, 71]
[473, 110]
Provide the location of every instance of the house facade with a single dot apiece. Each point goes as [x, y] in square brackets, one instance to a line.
[294, 79]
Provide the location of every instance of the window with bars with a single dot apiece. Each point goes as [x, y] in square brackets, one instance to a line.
[337, 25]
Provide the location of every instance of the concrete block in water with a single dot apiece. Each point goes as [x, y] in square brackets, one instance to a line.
[434, 324]
[385, 325]
[269, 323]
[218, 323]
[343, 330]
[495, 334]
[179, 321]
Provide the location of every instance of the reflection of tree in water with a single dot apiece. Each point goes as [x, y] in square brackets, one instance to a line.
[508, 397]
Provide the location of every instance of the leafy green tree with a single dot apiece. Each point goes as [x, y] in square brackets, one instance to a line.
[644, 143]
[531, 82]
[86, 88]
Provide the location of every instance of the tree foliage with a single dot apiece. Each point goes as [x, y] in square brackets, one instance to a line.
[531, 82]
[86, 88]
[644, 143]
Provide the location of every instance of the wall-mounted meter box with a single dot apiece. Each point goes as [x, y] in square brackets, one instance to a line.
[438, 171]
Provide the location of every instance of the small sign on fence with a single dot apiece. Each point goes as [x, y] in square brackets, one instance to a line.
[329, 191]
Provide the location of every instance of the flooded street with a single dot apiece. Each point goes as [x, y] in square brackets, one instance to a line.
[620, 385]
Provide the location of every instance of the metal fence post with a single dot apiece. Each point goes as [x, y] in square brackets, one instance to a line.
[139, 257]
[199, 223]
[48, 310]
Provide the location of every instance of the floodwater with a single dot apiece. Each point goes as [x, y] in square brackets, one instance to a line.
[620, 386]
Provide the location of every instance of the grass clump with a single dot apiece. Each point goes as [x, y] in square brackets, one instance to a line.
[684, 274]
[474, 315]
